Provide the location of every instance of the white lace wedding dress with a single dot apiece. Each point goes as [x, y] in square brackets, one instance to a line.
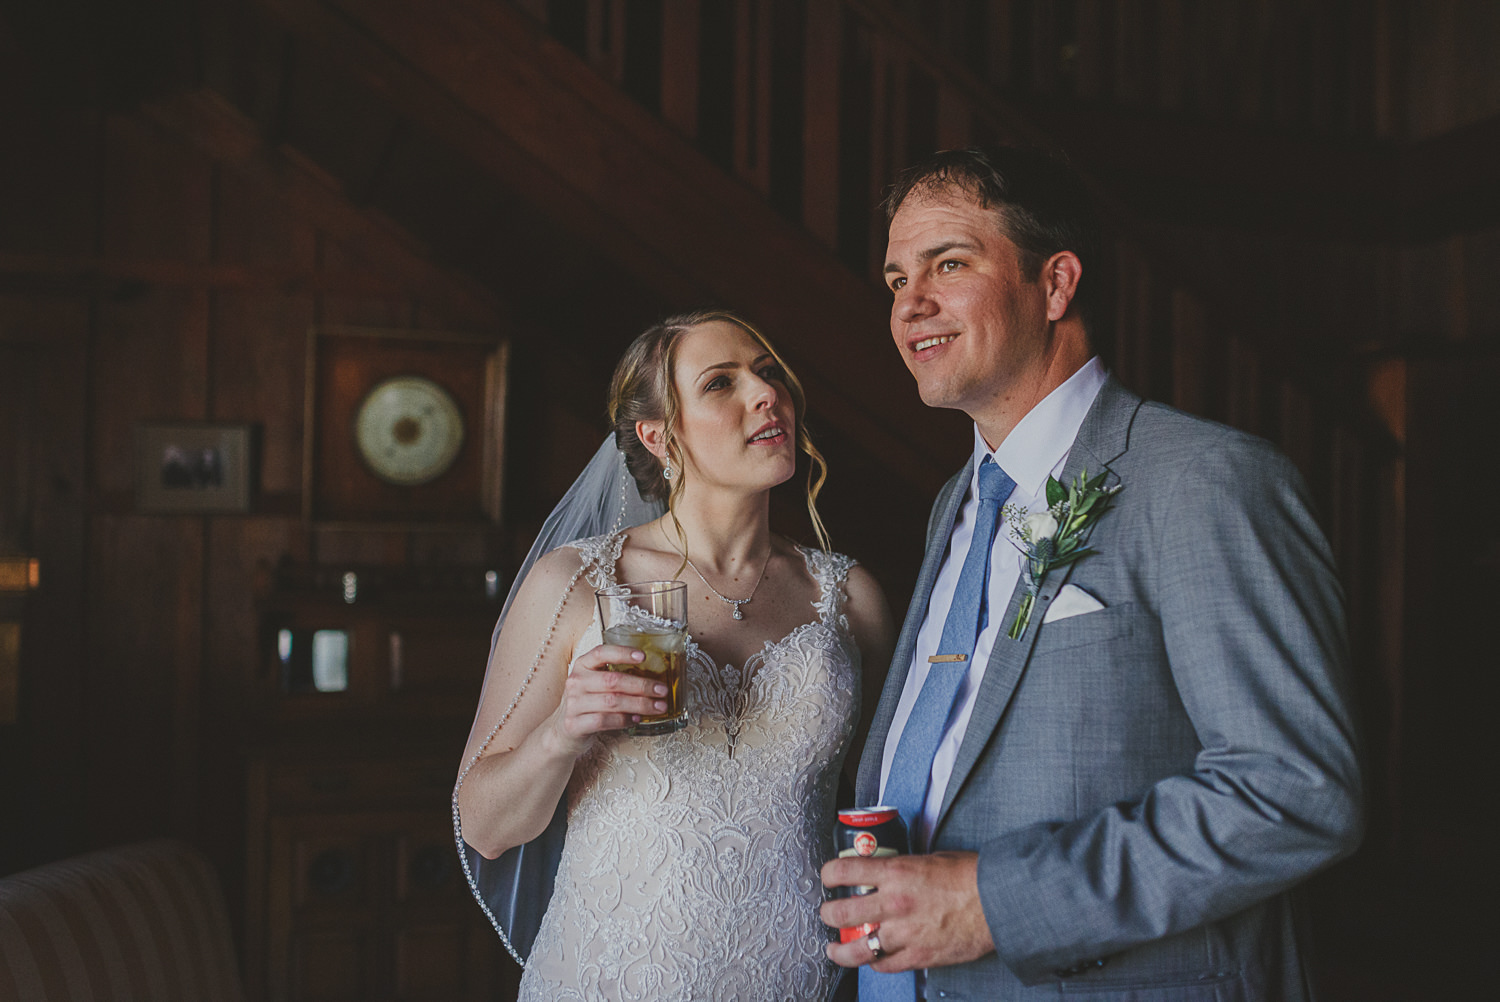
[690, 869]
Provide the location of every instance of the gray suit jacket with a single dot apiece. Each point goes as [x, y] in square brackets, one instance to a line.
[1143, 783]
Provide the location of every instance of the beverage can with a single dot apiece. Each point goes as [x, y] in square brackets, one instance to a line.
[869, 832]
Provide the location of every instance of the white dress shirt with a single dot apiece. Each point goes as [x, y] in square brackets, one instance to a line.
[1035, 449]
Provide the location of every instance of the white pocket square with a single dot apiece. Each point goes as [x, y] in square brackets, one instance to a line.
[1071, 601]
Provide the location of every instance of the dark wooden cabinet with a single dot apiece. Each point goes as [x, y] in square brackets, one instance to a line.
[354, 886]
[361, 895]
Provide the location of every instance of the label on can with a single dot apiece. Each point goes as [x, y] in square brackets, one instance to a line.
[869, 833]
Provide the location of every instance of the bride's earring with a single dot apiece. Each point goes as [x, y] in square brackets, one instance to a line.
[666, 473]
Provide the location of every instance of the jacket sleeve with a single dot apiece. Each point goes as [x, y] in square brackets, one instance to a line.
[1251, 618]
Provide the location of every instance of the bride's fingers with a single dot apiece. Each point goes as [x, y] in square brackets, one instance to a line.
[591, 673]
[584, 701]
[588, 704]
[609, 654]
[596, 701]
[613, 684]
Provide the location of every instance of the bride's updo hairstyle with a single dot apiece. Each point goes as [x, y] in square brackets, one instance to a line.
[644, 389]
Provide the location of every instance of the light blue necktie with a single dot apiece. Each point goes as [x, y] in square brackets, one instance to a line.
[911, 767]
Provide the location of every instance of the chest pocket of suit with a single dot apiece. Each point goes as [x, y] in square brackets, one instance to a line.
[1098, 627]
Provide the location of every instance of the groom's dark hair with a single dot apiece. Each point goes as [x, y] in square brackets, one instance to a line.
[1043, 205]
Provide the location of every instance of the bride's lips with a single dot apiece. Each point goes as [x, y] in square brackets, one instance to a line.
[774, 433]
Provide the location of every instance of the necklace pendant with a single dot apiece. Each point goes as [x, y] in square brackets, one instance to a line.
[737, 613]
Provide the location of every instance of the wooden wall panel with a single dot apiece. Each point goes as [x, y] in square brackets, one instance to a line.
[260, 336]
[1171, 55]
[240, 556]
[52, 205]
[357, 312]
[258, 362]
[150, 364]
[157, 195]
[356, 548]
[152, 343]
[820, 123]
[1089, 63]
[467, 548]
[153, 648]
[433, 315]
[1449, 47]
[145, 653]
[1191, 373]
[1482, 263]
[252, 226]
[1424, 280]
[43, 469]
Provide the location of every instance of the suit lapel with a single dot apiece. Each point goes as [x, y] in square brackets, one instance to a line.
[1101, 439]
[945, 512]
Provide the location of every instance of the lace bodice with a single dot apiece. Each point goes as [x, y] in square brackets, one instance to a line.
[690, 869]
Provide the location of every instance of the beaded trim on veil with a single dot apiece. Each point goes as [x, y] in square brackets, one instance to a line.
[604, 497]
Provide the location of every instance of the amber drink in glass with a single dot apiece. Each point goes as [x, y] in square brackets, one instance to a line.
[651, 616]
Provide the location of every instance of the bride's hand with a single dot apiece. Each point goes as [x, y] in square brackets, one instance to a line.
[596, 699]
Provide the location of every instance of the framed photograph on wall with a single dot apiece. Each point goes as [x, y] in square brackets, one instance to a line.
[403, 427]
[193, 468]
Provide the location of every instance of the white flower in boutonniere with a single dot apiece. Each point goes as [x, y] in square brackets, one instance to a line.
[1053, 537]
[1039, 525]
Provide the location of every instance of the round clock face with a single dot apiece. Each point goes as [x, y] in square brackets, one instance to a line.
[408, 430]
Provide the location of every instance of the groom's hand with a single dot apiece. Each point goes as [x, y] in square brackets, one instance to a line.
[927, 908]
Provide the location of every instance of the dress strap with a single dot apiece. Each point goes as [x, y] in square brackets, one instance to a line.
[599, 555]
[830, 570]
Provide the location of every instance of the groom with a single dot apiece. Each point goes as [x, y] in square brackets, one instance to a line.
[1113, 792]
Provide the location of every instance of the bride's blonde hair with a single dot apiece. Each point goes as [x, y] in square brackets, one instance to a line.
[644, 389]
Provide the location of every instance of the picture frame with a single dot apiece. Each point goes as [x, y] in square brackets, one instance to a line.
[193, 468]
[350, 369]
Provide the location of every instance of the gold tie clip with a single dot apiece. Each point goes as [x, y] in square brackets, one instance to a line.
[947, 657]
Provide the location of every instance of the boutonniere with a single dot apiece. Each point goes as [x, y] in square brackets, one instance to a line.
[1053, 537]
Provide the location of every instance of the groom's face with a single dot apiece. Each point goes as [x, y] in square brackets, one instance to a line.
[968, 323]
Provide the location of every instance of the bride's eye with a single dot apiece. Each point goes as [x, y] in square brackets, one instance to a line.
[775, 372]
[716, 383]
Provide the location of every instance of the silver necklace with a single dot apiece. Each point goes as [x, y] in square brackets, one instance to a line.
[734, 603]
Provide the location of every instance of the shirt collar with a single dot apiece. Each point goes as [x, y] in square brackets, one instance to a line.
[1043, 437]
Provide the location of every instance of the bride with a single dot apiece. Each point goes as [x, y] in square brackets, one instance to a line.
[689, 869]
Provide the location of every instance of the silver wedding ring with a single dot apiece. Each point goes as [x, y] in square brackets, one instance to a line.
[873, 942]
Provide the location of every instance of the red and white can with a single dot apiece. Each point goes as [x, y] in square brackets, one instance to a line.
[870, 832]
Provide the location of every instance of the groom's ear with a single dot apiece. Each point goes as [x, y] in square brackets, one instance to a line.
[1060, 276]
[651, 435]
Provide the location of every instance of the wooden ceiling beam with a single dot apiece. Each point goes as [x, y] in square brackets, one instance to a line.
[110, 278]
[227, 137]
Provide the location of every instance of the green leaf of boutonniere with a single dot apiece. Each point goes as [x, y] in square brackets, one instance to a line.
[1070, 511]
[1056, 493]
